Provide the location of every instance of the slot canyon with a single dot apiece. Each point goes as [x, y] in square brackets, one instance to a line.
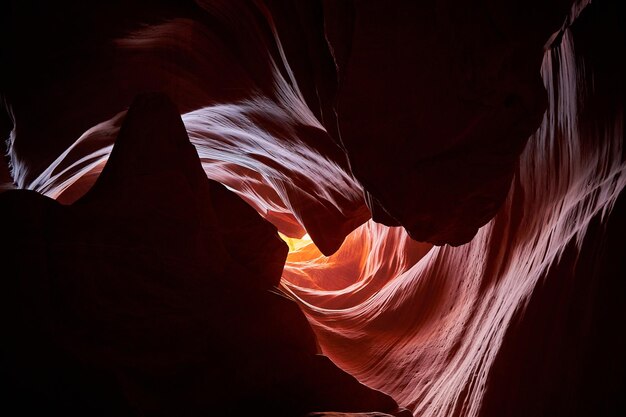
[309, 208]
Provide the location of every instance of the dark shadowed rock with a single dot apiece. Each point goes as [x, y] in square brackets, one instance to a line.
[154, 295]
[435, 103]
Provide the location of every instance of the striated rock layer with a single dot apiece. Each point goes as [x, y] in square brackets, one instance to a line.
[448, 177]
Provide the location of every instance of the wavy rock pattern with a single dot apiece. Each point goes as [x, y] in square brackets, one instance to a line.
[448, 177]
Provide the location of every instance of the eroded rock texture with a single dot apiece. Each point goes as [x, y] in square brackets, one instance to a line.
[448, 176]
